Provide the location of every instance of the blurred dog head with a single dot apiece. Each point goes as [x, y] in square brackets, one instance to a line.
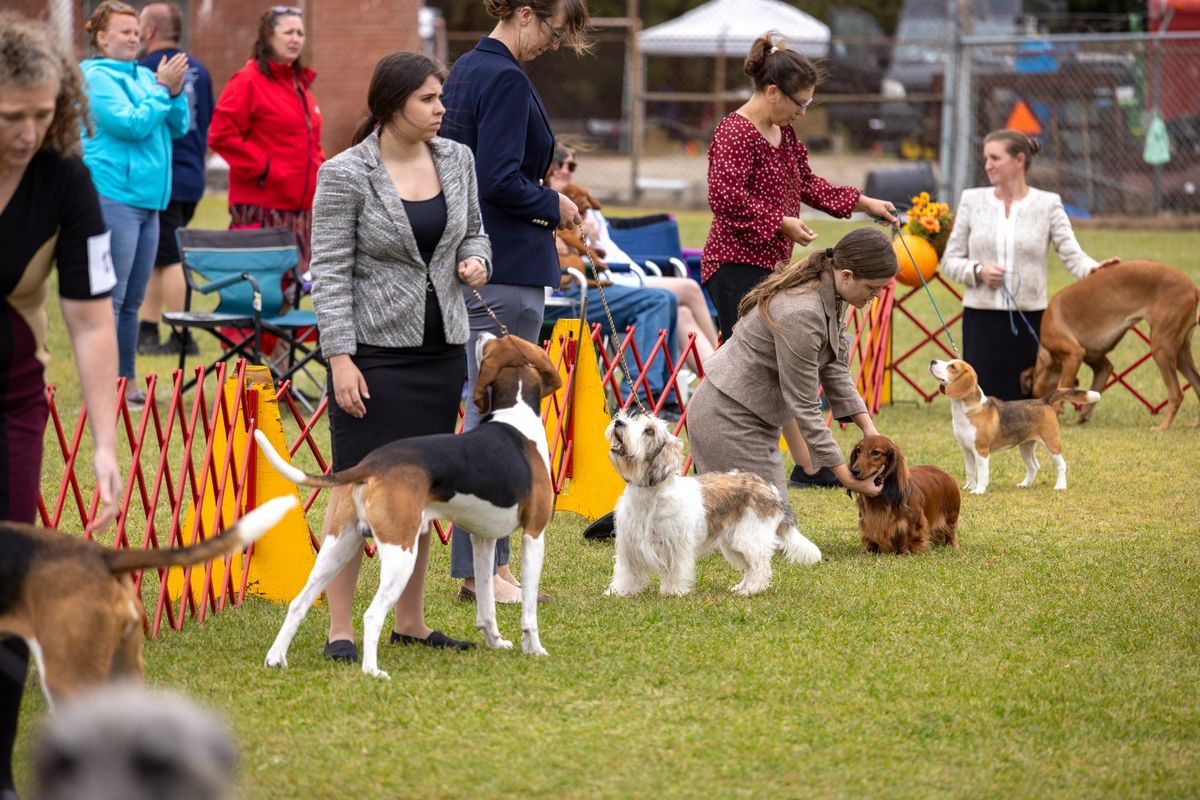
[126, 742]
[643, 449]
[582, 198]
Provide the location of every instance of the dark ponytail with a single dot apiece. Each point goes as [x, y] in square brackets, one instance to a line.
[770, 63]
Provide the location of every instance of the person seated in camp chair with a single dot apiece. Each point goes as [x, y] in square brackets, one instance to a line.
[693, 315]
[648, 310]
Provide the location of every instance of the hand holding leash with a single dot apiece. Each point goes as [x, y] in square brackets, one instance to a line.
[472, 272]
[568, 212]
[883, 211]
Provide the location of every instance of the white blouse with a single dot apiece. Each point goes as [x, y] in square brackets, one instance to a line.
[1019, 241]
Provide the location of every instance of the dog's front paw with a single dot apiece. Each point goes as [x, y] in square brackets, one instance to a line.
[623, 591]
[1025, 484]
[531, 644]
[276, 659]
[1060, 486]
[969, 486]
[979, 490]
[376, 672]
[674, 591]
[498, 643]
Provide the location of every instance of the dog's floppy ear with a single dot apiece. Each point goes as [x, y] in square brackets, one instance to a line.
[895, 476]
[592, 200]
[489, 367]
[668, 459]
[537, 358]
[963, 384]
[1027, 381]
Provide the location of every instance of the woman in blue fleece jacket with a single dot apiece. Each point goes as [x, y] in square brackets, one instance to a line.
[135, 114]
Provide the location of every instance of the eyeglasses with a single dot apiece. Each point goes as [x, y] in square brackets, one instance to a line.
[802, 104]
[569, 166]
[287, 11]
[553, 31]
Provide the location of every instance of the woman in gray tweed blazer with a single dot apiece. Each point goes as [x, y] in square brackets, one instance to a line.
[788, 345]
[396, 234]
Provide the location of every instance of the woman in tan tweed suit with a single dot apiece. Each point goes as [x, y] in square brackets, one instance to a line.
[789, 343]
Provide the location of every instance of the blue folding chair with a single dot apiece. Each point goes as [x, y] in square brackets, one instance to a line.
[653, 241]
[245, 268]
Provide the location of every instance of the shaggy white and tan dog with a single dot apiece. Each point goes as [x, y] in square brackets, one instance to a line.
[665, 521]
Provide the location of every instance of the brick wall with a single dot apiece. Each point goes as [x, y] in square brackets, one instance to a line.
[343, 43]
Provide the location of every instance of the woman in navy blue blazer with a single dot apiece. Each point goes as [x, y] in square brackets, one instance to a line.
[493, 108]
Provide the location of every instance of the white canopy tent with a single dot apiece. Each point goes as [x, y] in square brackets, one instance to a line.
[719, 29]
[731, 26]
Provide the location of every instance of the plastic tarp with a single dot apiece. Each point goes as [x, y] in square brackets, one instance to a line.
[731, 26]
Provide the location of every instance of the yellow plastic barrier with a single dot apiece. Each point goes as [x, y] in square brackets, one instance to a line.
[283, 557]
[596, 486]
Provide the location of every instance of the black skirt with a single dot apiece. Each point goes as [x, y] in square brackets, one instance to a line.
[415, 391]
[996, 352]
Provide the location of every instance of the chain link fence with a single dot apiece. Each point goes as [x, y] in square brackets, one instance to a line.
[1118, 118]
[1091, 99]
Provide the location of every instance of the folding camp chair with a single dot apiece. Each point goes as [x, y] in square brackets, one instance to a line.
[244, 268]
[653, 241]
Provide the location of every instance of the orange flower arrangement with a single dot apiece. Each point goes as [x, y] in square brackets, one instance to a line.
[930, 221]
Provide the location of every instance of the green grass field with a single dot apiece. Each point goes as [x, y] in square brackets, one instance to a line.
[1056, 654]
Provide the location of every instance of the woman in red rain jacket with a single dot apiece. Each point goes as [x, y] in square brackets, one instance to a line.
[267, 125]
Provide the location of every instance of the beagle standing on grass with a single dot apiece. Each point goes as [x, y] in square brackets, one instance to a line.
[983, 424]
[490, 480]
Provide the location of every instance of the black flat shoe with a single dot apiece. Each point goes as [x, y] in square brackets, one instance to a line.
[603, 528]
[342, 650]
[436, 639]
[823, 478]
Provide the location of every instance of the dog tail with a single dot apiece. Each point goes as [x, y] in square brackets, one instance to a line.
[1060, 396]
[795, 547]
[298, 476]
[242, 534]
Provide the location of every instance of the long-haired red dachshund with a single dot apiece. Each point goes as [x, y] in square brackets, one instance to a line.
[916, 504]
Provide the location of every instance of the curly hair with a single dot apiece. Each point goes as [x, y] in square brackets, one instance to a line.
[32, 55]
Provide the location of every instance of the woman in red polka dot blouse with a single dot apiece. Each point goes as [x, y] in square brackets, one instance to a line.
[758, 175]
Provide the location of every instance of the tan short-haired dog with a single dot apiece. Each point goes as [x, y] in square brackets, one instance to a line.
[490, 480]
[983, 424]
[72, 600]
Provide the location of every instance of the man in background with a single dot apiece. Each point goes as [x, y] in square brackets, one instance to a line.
[162, 33]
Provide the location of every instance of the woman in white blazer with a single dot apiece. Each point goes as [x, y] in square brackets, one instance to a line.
[998, 250]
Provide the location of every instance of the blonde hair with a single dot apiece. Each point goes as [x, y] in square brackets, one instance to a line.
[31, 54]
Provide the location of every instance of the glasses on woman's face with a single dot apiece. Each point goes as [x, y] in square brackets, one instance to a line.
[569, 166]
[555, 36]
[802, 104]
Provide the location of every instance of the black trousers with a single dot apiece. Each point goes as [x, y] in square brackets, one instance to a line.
[727, 286]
